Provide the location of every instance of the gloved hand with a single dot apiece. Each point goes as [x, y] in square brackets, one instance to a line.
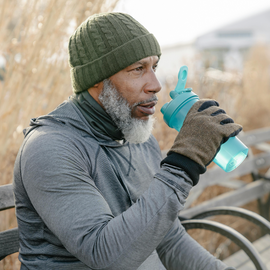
[205, 128]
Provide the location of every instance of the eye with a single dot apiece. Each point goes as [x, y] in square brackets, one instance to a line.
[155, 67]
[138, 68]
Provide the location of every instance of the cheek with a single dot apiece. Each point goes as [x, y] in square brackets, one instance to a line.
[132, 97]
[130, 91]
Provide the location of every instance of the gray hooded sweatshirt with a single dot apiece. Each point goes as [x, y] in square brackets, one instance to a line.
[85, 201]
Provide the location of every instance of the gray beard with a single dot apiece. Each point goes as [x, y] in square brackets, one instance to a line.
[117, 107]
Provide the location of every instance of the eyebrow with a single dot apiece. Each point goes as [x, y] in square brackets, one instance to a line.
[143, 63]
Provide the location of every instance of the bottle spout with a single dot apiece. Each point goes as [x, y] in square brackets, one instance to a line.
[182, 79]
[163, 108]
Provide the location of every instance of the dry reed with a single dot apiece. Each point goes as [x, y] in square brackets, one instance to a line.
[34, 36]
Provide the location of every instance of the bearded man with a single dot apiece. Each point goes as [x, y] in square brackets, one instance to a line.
[91, 188]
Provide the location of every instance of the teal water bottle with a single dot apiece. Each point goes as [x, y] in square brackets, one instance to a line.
[231, 154]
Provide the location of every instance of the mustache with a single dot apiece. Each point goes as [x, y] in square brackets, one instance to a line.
[154, 98]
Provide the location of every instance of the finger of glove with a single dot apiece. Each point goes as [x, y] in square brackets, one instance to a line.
[230, 130]
[209, 112]
[219, 111]
[200, 104]
[237, 129]
[227, 121]
[221, 118]
[207, 103]
[224, 124]
[224, 119]
[213, 118]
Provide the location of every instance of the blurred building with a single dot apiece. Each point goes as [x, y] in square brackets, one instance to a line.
[172, 58]
[216, 53]
[227, 47]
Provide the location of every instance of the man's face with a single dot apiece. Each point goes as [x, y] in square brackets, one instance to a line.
[139, 85]
[129, 98]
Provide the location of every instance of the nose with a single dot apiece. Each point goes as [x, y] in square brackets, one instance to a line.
[153, 85]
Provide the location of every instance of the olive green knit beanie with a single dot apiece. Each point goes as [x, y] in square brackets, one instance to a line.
[104, 44]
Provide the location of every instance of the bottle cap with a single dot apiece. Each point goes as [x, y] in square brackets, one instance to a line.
[178, 105]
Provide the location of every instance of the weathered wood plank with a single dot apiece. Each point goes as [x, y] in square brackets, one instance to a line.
[6, 197]
[9, 242]
[240, 260]
[249, 265]
[238, 197]
[255, 136]
[233, 184]
[217, 175]
[263, 147]
[268, 264]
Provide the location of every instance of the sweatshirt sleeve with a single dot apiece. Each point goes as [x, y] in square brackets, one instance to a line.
[62, 192]
[178, 250]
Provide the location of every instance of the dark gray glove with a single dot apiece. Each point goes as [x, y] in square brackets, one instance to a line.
[205, 128]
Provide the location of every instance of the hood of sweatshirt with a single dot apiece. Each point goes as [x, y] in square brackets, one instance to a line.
[68, 115]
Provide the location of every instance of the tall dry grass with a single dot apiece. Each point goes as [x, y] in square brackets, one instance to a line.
[34, 37]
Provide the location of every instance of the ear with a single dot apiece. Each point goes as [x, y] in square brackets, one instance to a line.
[95, 91]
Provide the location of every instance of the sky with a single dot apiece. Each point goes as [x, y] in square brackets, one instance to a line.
[181, 22]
